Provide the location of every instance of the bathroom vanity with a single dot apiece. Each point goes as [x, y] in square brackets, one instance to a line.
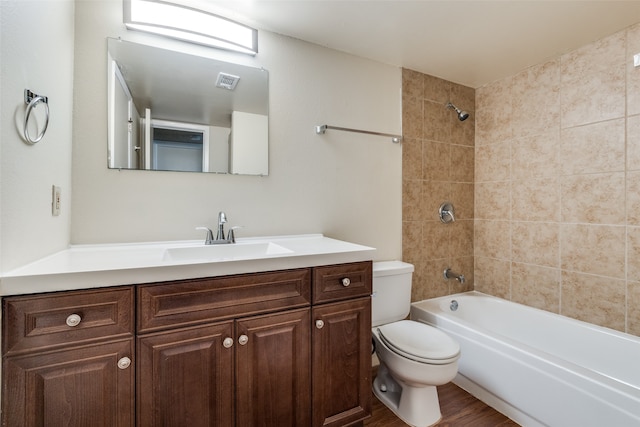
[279, 347]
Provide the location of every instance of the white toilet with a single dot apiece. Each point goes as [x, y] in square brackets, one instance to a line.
[414, 357]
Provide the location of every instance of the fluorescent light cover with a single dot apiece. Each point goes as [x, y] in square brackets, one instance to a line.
[191, 25]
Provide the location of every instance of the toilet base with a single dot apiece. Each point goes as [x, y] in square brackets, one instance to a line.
[417, 406]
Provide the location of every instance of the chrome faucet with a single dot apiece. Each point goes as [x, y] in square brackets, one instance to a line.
[222, 219]
[448, 274]
[220, 239]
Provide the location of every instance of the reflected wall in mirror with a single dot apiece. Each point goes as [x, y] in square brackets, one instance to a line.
[174, 111]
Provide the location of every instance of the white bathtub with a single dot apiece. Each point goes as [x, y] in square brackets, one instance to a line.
[539, 368]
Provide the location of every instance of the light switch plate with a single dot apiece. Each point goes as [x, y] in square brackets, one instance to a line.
[55, 200]
[636, 60]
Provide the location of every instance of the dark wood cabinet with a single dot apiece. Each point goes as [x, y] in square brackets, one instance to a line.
[79, 387]
[341, 357]
[286, 348]
[48, 321]
[67, 359]
[273, 373]
[184, 377]
[341, 363]
[342, 281]
[187, 376]
[197, 301]
[246, 364]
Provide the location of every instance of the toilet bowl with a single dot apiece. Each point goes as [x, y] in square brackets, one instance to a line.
[414, 357]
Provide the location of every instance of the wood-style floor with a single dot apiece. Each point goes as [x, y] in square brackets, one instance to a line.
[459, 409]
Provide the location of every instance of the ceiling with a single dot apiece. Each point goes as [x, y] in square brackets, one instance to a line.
[470, 42]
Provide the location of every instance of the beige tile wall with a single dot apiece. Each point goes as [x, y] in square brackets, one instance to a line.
[551, 157]
[557, 185]
[438, 166]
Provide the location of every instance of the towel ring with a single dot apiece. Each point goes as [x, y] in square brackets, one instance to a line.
[32, 99]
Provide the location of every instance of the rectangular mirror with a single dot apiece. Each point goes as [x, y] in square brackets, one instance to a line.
[169, 110]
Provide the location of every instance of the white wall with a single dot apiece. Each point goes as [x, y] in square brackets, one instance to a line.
[345, 185]
[36, 51]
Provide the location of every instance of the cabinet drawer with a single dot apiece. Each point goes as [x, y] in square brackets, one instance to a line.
[48, 321]
[342, 281]
[192, 302]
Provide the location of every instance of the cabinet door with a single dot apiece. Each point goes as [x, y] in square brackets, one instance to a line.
[79, 386]
[273, 380]
[185, 377]
[341, 362]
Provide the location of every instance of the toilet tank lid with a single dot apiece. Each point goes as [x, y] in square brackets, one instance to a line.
[387, 268]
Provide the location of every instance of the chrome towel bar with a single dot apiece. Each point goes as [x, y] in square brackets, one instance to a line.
[320, 129]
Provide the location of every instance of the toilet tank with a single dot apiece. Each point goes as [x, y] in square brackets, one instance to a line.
[391, 298]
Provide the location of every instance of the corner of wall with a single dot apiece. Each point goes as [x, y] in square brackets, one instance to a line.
[437, 167]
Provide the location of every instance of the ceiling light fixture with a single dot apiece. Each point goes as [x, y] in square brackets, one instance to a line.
[188, 24]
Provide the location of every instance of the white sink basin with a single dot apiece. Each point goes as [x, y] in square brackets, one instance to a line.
[225, 252]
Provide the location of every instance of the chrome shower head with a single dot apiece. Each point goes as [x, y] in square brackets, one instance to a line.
[462, 115]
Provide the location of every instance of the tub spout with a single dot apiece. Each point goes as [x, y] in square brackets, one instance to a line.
[448, 274]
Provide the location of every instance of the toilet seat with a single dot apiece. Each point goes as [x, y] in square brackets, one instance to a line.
[419, 342]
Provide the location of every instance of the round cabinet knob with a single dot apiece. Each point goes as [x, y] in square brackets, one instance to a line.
[227, 343]
[124, 363]
[73, 320]
[319, 324]
[346, 282]
[243, 339]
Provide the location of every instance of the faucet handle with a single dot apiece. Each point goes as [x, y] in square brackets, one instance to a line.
[231, 237]
[209, 237]
[446, 213]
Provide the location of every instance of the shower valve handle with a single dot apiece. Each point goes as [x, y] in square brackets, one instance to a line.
[446, 213]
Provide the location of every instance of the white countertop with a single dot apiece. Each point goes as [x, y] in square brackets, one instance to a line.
[93, 266]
